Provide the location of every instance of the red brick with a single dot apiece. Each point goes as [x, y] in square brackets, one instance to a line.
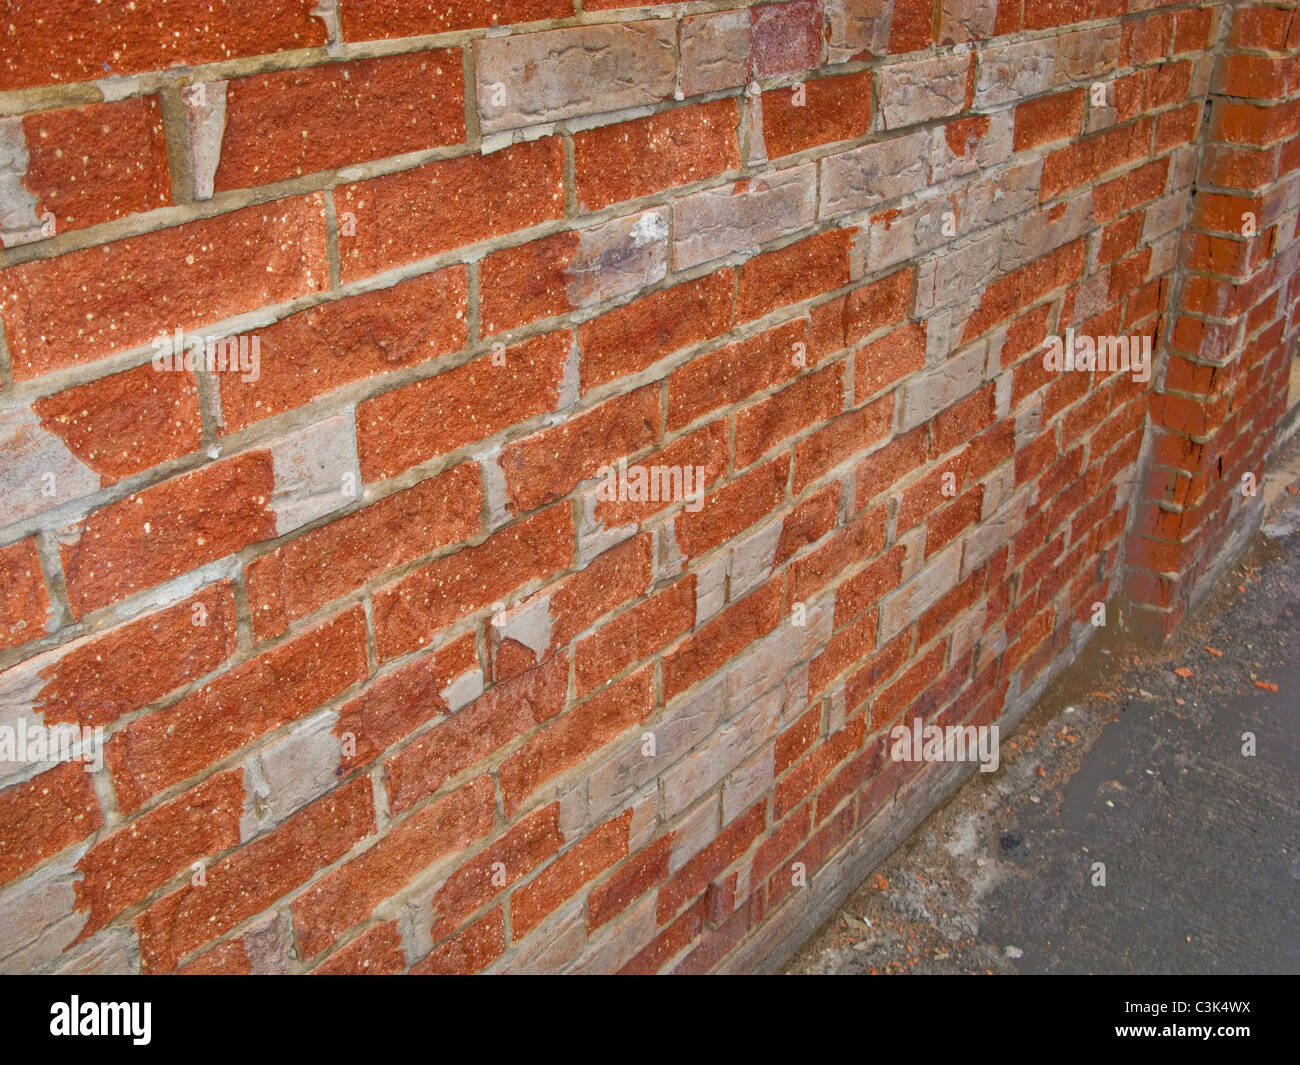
[1264, 27]
[1049, 118]
[833, 109]
[694, 877]
[908, 688]
[844, 649]
[469, 952]
[229, 959]
[808, 522]
[346, 896]
[399, 702]
[110, 674]
[292, 122]
[163, 748]
[723, 638]
[548, 464]
[631, 881]
[326, 563]
[647, 155]
[704, 449]
[125, 867]
[846, 436]
[862, 539]
[576, 602]
[169, 529]
[569, 739]
[911, 29]
[415, 607]
[125, 423]
[468, 736]
[418, 213]
[886, 467]
[735, 372]
[639, 334]
[41, 816]
[85, 43]
[377, 952]
[1025, 286]
[811, 399]
[865, 588]
[564, 877]
[435, 416]
[734, 507]
[947, 524]
[876, 305]
[796, 272]
[875, 672]
[364, 20]
[93, 164]
[318, 350]
[527, 844]
[88, 304]
[635, 634]
[24, 602]
[888, 360]
[254, 876]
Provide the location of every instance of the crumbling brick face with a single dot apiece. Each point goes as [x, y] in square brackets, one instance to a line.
[495, 473]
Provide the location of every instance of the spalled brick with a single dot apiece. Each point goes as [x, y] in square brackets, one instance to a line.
[91, 303]
[410, 610]
[88, 165]
[165, 747]
[328, 562]
[254, 876]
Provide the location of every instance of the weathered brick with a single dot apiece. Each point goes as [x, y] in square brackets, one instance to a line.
[556, 74]
[251, 878]
[126, 866]
[347, 895]
[24, 603]
[587, 859]
[735, 372]
[573, 737]
[637, 335]
[420, 421]
[507, 711]
[127, 422]
[796, 272]
[572, 270]
[409, 611]
[148, 36]
[716, 222]
[380, 332]
[99, 678]
[418, 213]
[820, 111]
[87, 165]
[163, 748]
[185, 522]
[41, 816]
[88, 304]
[326, 563]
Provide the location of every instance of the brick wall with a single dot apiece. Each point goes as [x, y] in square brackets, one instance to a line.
[387, 680]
